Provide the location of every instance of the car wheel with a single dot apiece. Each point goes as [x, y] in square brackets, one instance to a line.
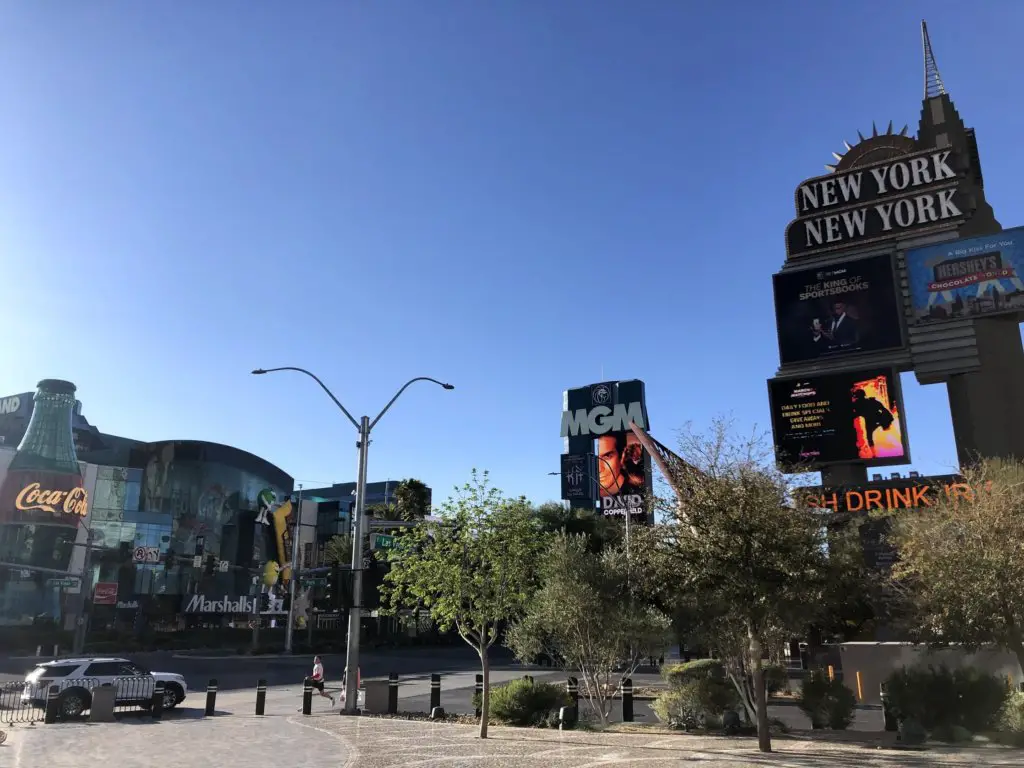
[173, 696]
[73, 703]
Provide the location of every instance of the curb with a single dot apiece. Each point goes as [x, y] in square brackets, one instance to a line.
[249, 657]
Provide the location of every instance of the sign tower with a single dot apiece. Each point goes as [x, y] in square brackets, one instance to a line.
[895, 262]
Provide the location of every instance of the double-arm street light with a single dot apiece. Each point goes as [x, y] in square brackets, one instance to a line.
[364, 426]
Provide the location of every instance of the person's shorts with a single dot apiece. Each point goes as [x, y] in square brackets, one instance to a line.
[318, 684]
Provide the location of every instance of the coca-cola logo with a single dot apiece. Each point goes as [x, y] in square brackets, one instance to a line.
[34, 497]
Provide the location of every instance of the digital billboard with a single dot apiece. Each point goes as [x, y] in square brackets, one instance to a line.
[579, 476]
[834, 310]
[967, 278]
[622, 471]
[603, 460]
[851, 417]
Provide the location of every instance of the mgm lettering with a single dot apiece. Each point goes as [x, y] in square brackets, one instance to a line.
[876, 202]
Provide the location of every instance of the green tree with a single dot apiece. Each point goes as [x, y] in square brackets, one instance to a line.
[588, 617]
[746, 566]
[555, 517]
[474, 569]
[412, 500]
[382, 511]
[338, 550]
[960, 566]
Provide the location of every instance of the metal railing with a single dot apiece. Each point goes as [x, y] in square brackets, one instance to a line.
[13, 710]
[26, 702]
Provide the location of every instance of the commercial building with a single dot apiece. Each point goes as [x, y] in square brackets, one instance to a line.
[333, 507]
[170, 520]
[182, 530]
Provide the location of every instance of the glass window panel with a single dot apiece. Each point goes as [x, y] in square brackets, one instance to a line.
[131, 495]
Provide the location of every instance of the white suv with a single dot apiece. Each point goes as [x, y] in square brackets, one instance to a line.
[77, 677]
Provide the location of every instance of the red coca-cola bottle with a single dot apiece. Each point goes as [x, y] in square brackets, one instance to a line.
[42, 498]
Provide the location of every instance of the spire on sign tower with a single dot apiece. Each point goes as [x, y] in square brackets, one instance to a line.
[932, 78]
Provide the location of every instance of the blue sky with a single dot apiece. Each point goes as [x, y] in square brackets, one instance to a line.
[517, 197]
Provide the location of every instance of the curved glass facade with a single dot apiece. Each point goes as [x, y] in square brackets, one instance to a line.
[182, 500]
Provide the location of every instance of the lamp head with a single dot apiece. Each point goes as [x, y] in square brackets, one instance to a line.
[258, 371]
[448, 386]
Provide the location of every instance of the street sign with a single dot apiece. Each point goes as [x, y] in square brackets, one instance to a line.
[223, 566]
[197, 561]
[313, 582]
[382, 541]
[69, 583]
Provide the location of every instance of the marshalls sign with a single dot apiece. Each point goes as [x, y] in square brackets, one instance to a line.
[877, 202]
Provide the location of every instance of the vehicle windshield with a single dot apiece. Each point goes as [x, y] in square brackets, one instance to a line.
[35, 674]
[135, 668]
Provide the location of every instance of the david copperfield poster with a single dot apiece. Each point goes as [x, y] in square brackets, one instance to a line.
[836, 310]
[840, 418]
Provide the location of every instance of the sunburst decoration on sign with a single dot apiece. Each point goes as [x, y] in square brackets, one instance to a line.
[875, 148]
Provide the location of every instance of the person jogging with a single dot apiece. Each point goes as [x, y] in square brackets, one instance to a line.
[317, 679]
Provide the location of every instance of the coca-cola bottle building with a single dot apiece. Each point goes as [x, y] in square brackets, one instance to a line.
[42, 498]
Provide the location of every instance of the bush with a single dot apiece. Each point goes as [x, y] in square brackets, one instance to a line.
[1011, 717]
[912, 732]
[828, 703]
[700, 669]
[699, 702]
[776, 678]
[952, 734]
[524, 702]
[938, 698]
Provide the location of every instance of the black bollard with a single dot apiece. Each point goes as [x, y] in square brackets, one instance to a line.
[478, 693]
[211, 697]
[156, 708]
[261, 696]
[627, 700]
[572, 687]
[889, 720]
[393, 693]
[307, 697]
[435, 691]
[51, 705]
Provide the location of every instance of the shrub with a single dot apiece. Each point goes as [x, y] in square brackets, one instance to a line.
[700, 669]
[912, 732]
[828, 703]
[1011, 717]
[699, 702]
[525, 702]
[938, 698]
[776, 678]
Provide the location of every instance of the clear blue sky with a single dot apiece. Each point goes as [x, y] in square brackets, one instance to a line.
[517, 196]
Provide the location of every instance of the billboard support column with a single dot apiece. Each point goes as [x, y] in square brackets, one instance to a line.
[844, 474]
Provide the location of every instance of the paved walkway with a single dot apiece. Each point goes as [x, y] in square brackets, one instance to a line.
[327, 740]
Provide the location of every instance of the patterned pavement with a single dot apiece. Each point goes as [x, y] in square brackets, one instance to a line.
[331, 741]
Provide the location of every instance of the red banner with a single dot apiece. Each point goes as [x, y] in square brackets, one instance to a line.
[105, 593]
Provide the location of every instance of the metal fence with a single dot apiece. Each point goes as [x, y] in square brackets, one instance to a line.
[14, 710]
[24, 702]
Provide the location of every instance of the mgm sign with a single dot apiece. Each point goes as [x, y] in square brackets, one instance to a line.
[604, 462]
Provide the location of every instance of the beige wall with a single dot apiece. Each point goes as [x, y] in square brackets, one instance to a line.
[876, 661]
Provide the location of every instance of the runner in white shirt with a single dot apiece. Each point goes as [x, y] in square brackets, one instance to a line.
[317, 678]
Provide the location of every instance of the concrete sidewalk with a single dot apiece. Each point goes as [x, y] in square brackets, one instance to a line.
[362, 742]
